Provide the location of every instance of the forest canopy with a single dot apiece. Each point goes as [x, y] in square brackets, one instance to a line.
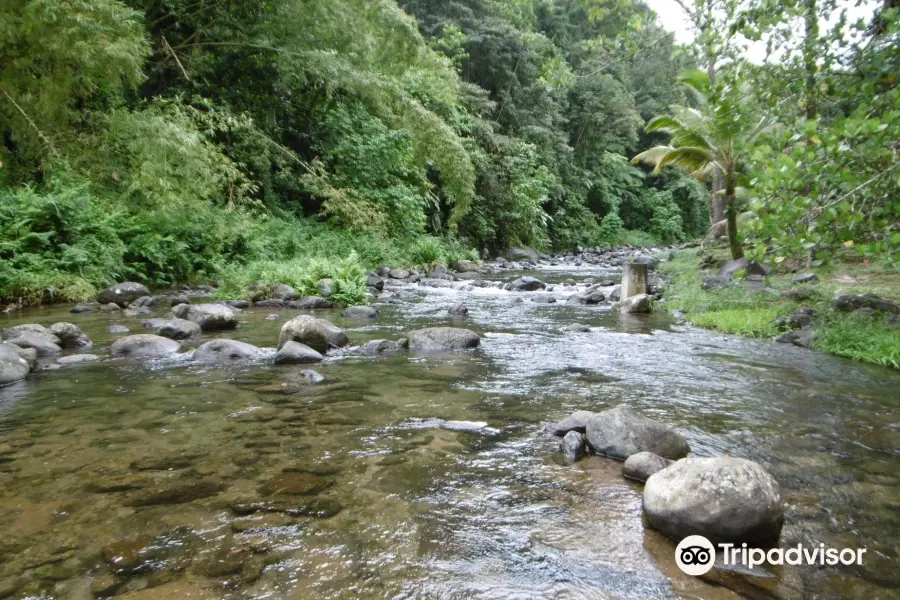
[168, 141]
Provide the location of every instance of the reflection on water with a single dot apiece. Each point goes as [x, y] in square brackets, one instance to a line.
[428, 476]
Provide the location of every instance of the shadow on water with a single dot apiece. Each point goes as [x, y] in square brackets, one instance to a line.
[424, 476]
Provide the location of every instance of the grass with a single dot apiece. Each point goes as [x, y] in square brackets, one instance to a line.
[752, 313]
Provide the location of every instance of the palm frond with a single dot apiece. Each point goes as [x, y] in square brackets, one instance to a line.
[664, 123]
[689, 137]
[652, 156]
[691, 158]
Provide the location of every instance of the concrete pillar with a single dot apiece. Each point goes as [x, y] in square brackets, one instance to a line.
[634, 280]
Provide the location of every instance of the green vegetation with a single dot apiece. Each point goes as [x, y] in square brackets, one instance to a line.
[744, 311]
[196, 140]
[190, 141]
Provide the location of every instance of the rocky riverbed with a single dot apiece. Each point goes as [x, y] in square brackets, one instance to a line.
[401, 464]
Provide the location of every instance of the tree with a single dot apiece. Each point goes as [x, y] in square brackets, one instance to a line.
[709, 141]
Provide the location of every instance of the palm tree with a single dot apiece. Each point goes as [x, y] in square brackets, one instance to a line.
[708, 141]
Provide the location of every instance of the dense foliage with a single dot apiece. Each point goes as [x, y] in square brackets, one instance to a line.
[165, 141]
[173, 140]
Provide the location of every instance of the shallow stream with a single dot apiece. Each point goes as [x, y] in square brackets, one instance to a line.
[428, 476]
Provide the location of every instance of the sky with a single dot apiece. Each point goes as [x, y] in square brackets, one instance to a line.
[673, 18]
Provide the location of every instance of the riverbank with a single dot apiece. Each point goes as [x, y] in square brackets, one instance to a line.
[764, 307]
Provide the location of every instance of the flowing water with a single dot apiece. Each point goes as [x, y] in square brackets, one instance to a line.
[428, 476]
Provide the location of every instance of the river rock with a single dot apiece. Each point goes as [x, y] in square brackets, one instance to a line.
[593, 297]
[374, 281]
[45, 343]
[144, 345]
[519, 254]
[111, 307]
[724, 499]
[376, 347]
[81, 308]
[620, 432]
[313, 377]
[465, 266]
[577, 328]
[577, 421]
[806, 278]
[282, 291]
[318, 334]
[117, 329]
[178, 329]
[14, 332]
[70, 336]
[234, 304]
[177, 299]
[210, 317]
[642, 303]
[543, 299]
[458, 310]
[642, 465]
[12, 366]
[295, 353]
[270, 303]
[224, 350]
[122, 294]
[572, 446]
[398, 274]
[442, 339]
[77, 359]
[803, 338]
[525, 284]
[361, 312]
[851, 302]
[142, 302]
[311, 303]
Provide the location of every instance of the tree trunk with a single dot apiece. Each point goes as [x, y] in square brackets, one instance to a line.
[731, 211]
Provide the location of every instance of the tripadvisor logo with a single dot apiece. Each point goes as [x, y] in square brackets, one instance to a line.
[696, 555]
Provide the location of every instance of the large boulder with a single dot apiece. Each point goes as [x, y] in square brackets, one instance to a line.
[724, 499]
[621, 431]
[224, 350]
[12, 366]
[642, 465]
[318, 334]
[282, 291]
[517, 254]
[45, 343]
[525, 284]
[70, 336]
[465, 266]
[311, 303]
[374, 281]
[295, 353]
[178, 329]
[144, 345]
[122, 294]
[399, 274]
[442, 339]
[210, 317]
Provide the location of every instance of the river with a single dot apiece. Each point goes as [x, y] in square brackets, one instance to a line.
[428, 476]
